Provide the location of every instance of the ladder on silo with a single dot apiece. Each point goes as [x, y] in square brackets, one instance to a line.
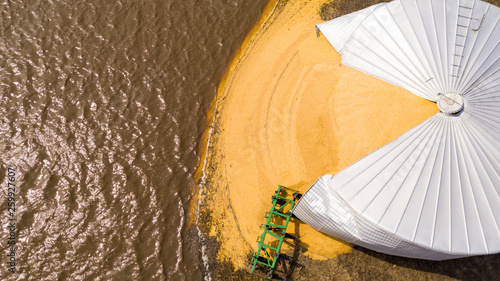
[466, 22]
[465, 9]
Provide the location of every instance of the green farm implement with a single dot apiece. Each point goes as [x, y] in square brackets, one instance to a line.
[265, 259]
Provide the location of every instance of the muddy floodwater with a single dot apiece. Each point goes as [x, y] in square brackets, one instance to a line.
[102, 108]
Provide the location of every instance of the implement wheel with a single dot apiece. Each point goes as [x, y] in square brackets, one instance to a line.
[280, 201]
[270, 274]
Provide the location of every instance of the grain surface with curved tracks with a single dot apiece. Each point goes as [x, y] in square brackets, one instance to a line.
[287, 113]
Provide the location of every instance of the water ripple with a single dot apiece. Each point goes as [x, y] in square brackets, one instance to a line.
[102, 106]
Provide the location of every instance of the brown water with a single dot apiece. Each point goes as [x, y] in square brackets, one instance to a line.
[102, 107]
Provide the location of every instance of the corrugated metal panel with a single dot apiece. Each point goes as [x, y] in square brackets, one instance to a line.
[433, 193]
[339, 30]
